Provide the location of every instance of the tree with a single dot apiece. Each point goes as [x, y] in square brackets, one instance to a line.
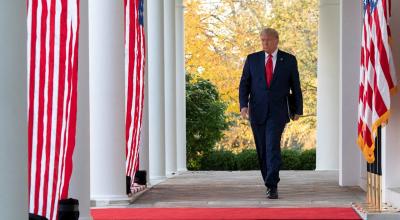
[206, 120]
[220, 33]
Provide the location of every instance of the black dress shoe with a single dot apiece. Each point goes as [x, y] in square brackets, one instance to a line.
[267, 192]
[272, 193]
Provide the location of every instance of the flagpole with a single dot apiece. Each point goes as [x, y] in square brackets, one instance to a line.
[369, 184]
[374, 176]
[379, 167]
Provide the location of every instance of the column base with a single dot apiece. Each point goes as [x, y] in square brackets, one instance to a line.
[393, 197]
[181, 170]
[171, 173]
[366, 212]
[109, 201]
[326, 169]
[154, 180]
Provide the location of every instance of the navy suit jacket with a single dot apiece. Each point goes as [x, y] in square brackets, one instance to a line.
[272, 102]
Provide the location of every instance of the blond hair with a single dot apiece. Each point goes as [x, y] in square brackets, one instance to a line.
[270, 31]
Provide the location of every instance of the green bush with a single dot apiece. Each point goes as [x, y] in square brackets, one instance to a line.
[308, 159]
[292, 159]
[219, 160]
[247, 160]
[205, 119]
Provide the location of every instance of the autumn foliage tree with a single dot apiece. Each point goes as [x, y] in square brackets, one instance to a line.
[220, 33]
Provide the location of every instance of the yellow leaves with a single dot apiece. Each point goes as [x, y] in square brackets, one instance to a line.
[220, 33]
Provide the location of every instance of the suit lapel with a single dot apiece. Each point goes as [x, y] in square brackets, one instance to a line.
[262, 67]
[278, 64]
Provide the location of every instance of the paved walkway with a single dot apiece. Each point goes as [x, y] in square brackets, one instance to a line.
[246, 189]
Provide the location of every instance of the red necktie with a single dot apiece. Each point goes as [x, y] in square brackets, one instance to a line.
[268, 70]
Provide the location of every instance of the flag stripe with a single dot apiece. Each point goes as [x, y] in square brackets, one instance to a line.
[60, 107]
[73, 104]
[45, 91]
[134, 59]
[52, 25]
[41, 101]
[35, 106]
[55, 113]
[134, 81]
[137, 97]
[50, 107]
[131, 48]
[377, 74]
[383, 58]
[64, 117]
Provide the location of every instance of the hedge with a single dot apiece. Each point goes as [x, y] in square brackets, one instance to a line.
[247, 160]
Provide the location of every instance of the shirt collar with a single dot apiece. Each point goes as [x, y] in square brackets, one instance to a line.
[273, 53]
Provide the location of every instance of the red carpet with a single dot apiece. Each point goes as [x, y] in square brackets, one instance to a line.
[223, 213]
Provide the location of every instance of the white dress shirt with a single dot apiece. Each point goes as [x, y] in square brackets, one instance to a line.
[274, 57]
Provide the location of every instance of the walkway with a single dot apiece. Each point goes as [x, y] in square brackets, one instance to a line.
[246, 189]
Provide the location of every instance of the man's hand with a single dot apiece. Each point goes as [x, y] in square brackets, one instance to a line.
[296, 117]
[245, 113]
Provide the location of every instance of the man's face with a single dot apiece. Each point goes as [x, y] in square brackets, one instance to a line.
[269, 43]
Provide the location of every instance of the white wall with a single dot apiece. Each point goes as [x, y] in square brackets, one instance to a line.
[391, 137]
[350, 43]
[13, 111]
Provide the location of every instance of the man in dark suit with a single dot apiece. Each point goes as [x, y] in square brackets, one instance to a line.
[269, 78]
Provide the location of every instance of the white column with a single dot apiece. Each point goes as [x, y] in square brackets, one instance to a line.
[390, 133]
[144, 162]
[13, 111]
[155, 81]
[107, 121]
[169, 87]
[180, 87]
[328, 86]
[80, 179]
[350, 44]
[144, 157]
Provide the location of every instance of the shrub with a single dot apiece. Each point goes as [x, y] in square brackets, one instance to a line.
[219, 160]
[290, 159]
[307, 159]
[247, 160]
[205, 119]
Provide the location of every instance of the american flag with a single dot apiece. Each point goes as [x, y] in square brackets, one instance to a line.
[52, 53]
[134, 82]
[377, 74]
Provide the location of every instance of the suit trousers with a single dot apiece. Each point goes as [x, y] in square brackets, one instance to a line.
[267, 137]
